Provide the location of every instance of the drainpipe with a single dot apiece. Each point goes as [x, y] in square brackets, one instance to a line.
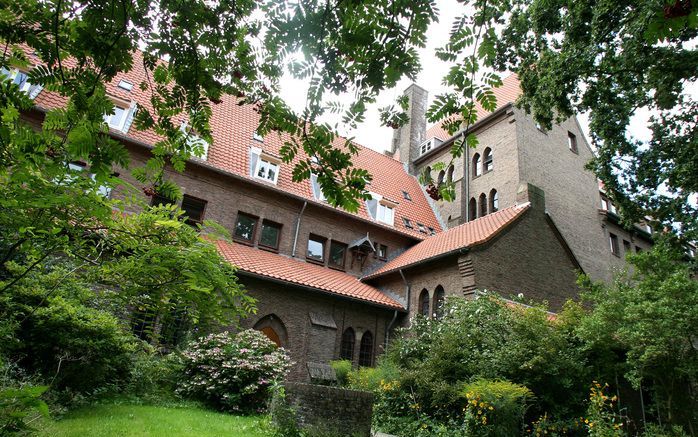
[466, 181]
[298, 227]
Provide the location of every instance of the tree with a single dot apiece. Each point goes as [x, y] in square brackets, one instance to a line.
[652, 315]
[611, 58]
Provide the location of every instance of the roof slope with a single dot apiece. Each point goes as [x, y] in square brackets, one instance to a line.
[507, 93]
[275, 266]
[233, 127]
[468, 234]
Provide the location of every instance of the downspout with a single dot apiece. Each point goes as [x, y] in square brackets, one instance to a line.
[407, 293]
[466, 181]
[298, 228]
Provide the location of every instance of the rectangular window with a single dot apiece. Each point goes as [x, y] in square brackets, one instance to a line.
[613, 240]
[271, 232]
[604, 204]
[316, 248]
[245, 228]
[159, 199]
[385, 214]
[382, 251]
[317, 189]
[338, 254]
[125, 85]
[193, 209]
[407, 223]
[572, 142]
[627, 248]
[267, 170]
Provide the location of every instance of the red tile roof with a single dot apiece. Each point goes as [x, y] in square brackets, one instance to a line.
[233, 127]
[507, 93]
[468, 234]
[275, 266]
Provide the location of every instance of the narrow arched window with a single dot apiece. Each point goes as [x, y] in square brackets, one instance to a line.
[472, 209]
[487, 162]
[424, 303]
[346, 351]
[482, 204]
[442, 175]
[494, 201]
[366, 350]
[477, 169]
[439, 299]
[427, 174]
[449, 174]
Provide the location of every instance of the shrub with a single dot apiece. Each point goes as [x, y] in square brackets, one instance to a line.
[341, 369]
[233, 371]
[495, 408]
[19, 400]
[154, 377]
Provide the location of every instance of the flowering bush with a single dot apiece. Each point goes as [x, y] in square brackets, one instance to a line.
[495, 408]
[233, 371]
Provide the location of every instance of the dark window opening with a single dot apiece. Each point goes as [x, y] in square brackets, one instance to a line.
[613, 240]
[424, 303]
[494, 201]
[488, 163]
[626, 247]
[406, 195]
[338, 254]
[346, 351]
[439, 299]
[482, 204]
[366, 350]
[382, 251]
[477, 169]
[270, 236]
[159, 199]
[572, 142]
[432, 231]
[472, 209]
[245, 227]
[316, 248]
[193, 209]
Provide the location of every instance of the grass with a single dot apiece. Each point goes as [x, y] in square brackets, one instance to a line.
[144, 420]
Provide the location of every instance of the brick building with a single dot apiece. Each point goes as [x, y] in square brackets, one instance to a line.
[332, 284]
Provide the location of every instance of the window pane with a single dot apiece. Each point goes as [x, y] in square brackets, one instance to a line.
[270, 235]
[337, 253]
[115, 120]
[193, 209]
[244, 229]
[316, 248]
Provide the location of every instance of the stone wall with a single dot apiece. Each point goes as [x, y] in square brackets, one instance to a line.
[340, 411]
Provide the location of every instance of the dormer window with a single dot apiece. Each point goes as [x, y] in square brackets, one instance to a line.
[381, 209]
[121, 117]
[21, 79]
[263, 165]
[267, 170]
[406, 195]
[407, 223]
[428, 145]
[257, 137]
[421, 228]
[432, 231]
[317, 189]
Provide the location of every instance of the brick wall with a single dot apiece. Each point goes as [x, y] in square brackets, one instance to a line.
[340, 411]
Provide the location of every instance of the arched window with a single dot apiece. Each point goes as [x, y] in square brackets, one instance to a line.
[442, 175]
[494, 201]
[482, 204]
[439, 299]
[472, 209]
[487, 163]
[477, 169]
[272, 326]
[427, 173]
[449, 174]
[424, 303]
[346, 351]
[366, 350]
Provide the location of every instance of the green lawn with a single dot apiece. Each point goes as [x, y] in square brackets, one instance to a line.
[143, 420]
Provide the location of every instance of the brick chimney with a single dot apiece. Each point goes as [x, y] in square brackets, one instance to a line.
[407, 139]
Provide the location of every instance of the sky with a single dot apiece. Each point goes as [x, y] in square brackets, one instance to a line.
[372, 135]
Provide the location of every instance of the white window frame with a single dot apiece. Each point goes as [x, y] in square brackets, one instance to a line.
[122, 123]
[317, 189]
[264, 161]
[193, 140]
[125, 85]
[385, 213]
